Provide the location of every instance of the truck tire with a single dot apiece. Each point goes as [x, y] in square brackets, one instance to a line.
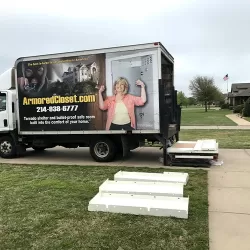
[103, 150]
[7, 147]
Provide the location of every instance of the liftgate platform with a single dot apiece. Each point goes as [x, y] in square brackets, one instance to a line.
[198, 153]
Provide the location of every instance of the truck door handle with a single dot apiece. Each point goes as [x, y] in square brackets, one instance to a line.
[141, 114]
[5, 122]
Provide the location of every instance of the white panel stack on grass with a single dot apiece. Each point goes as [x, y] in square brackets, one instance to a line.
[140, 204]
[139, 193]
[174, 177]
[142, 188]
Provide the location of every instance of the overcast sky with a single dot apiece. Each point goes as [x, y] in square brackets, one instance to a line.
[205, 37]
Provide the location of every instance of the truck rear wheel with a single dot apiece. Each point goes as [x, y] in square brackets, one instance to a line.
[102, 150]
[7, 147]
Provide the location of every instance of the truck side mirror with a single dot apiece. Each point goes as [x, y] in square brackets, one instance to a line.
[13, 107]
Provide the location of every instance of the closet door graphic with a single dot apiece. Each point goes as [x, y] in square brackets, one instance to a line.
[133, 68]
[145, 114]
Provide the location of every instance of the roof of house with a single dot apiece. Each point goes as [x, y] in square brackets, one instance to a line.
[244, 89]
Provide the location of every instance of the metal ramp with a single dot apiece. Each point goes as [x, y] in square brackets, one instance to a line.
[142, 188]
[174, 177]
[142, 193]
[140, 205]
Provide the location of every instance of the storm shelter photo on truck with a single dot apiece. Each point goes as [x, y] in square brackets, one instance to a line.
[106, 91]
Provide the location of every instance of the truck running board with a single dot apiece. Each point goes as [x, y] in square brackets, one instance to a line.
[172, 177]
[142, 188]
[140, 205]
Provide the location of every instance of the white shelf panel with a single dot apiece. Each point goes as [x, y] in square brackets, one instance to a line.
[173, 177]
[142, 188]
[140, 205]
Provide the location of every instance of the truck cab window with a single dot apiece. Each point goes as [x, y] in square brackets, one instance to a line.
[2, 102]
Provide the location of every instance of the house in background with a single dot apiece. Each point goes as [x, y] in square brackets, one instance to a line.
[240, 92]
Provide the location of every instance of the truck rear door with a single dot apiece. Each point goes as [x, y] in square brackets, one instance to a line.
[143, 66]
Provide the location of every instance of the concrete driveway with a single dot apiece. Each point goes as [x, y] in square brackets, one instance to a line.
[229, 201]
[229, 187]
[81, 156]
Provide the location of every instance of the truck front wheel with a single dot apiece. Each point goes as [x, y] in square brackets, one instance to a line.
[7, 147]
[102, 150]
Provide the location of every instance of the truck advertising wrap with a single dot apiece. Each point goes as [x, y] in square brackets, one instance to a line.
[106, 91]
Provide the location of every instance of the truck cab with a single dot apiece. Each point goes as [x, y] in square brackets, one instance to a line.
[8, 117]
[7, 111]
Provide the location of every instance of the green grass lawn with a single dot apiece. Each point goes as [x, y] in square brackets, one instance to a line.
[226, 138]
[45, 207]
[192, 117]
[247, 118]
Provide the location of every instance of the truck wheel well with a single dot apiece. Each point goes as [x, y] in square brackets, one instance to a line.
[13, 137]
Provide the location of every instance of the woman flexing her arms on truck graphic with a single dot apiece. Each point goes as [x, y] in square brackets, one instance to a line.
[121, 106]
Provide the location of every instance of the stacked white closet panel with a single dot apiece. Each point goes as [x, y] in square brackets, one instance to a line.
[140, 193]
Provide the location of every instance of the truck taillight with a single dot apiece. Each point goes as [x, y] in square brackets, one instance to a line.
[156, 44]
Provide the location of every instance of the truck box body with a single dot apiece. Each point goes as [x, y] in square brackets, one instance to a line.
[58, 93]
[74, 94]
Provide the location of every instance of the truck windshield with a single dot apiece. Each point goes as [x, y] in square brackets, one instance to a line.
[2, 102]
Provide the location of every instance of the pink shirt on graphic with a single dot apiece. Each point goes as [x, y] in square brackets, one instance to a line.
[130, 102]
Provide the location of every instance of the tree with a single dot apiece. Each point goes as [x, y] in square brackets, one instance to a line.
[204, 90]
[182, 99]
[246, 110]
[192, 101]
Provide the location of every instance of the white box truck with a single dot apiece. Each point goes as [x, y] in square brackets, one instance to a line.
[110, 100]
